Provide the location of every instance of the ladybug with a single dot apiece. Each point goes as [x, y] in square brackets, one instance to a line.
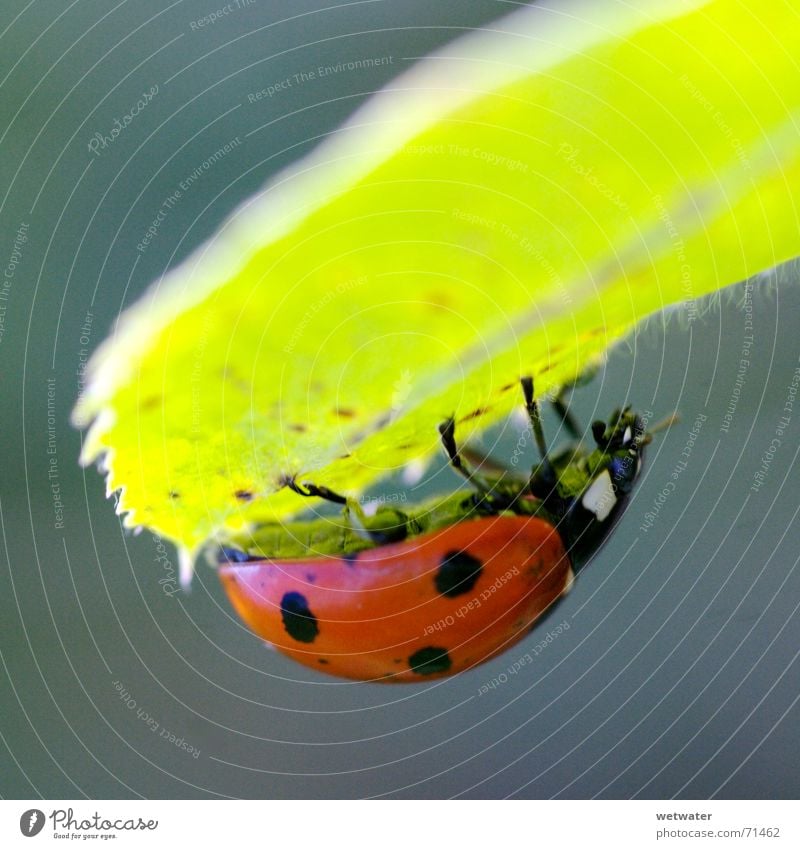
[408, 596]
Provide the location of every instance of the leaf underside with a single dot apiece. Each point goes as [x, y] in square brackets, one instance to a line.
[512, 206]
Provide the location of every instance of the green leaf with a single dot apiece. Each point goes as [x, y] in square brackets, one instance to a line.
[510, 206]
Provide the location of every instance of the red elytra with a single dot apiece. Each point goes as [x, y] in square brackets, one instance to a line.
[430, 606]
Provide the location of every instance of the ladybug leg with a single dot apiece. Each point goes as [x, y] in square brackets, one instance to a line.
[478, 460]
[536, 423]
[310, 490]
[447, 431]
[567, 419]
[353, 511]
[599, 434]
[561, 406]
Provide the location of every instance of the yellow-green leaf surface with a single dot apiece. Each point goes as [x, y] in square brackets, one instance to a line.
[509, 206]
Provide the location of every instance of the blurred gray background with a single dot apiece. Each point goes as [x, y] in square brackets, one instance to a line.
[678, 676]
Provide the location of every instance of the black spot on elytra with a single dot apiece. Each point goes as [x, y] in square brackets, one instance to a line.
[323, 661]
[311, 578]
[298, 620]
[430, 660]
[243, 495]
[457, 573]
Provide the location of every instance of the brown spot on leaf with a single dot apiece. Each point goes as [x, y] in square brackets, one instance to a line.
[438, 299]
[231, 376]
[474, 414]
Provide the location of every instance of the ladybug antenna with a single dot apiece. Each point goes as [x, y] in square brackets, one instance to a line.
[536, 423]
[665, 423]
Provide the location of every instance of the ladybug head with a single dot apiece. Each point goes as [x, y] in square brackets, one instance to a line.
[591, 487]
